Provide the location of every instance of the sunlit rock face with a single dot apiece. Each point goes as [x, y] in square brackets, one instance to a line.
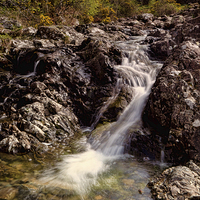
[182, 182]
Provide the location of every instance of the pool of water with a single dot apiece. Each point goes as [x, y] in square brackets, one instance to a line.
[123, 178]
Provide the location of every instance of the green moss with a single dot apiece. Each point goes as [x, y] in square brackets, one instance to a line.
[66, 39]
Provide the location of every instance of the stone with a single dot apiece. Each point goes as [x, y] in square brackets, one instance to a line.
[35, 130]
[8, 193]
[146, 17]
[43, 43]
[19, 44]
[50, 32]
[29, 31]
[182, 182]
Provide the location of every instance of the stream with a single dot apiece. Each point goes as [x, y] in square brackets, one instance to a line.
[100, 169]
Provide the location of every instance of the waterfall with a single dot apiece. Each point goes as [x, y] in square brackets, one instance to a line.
[80, 171]
[138, 73]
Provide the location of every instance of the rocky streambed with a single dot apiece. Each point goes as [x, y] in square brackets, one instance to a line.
[54, 80]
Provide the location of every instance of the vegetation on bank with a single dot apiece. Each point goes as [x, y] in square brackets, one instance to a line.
[49, 12]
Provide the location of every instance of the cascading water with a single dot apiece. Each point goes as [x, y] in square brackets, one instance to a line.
[80, 172]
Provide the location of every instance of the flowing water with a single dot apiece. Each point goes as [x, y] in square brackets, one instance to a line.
[83, 172]
[101, 170]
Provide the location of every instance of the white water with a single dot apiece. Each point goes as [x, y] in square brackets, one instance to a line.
[80, 171]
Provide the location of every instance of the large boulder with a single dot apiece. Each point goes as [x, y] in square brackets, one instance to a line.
[173, 109]
[181, 182]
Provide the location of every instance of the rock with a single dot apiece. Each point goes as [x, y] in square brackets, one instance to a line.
[174, 96]
[9, 23]
[29, 31]
[35, 130]
[38, 86]
[20, 45]
[10, 143]
[44, 43]
[172, 112]
[54, 107]
[146, 17]
[98, 66]
[177, 19]
[157, 33]
[50, 32]
[177, 182]
[96, 31]
[162, 48]
[8, 193]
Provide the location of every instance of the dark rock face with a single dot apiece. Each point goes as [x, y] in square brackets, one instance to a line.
[52, 88]
[172, 112]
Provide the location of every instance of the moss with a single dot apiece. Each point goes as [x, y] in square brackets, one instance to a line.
[66, 39]
[4, 42]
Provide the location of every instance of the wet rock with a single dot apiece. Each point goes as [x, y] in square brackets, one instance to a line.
[11, 143]
[19, 141]
[21, 44]
[98, 66]
[162, 48]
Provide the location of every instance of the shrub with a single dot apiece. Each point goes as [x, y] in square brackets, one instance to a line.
[45, 20]
[164, 7]
[105, 14]
[4, 42]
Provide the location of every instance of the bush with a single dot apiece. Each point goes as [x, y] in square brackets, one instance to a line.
[164, 7]
[4, 42]
[48, 12]
[125, 8]
[105, 14]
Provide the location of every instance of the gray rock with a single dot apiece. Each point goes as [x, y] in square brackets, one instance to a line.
[146, 17]
[50, 32]
[29, 31]
[181, 182]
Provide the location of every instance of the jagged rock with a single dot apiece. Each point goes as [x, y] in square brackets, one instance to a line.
[161, 48]
[146, 17]
[21, 45]
[173, 106]
[9, 23]
[50, 32]
[181, 182]
[29, 31]
[35, 130]
[43, 43]
[8, 193]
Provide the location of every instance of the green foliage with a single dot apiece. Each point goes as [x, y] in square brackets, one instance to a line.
[106, 14]
[164, 7]
[48, 12]
[4, 42]
[45, 20]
